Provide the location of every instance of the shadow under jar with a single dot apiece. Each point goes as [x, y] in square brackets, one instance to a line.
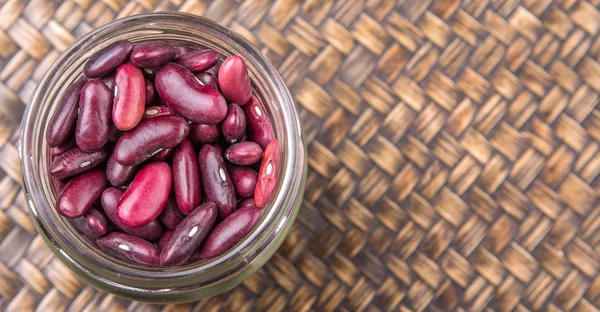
[171, 284]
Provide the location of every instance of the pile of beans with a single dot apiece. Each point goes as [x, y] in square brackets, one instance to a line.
[161, 154]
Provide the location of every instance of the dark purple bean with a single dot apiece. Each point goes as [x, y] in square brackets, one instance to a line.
[234, 124]
[198, 61]
[178, 87]
[62, 124]
[110, 198]
[171, 216]
[59, 150]
[234, 81]
[244, 153]
[129, 247]
[229, 232]
[150, 92]
[217, 183]
[76, 161]
[188, 235]
[80, 193]
[162, 242]
[268, 176]
[149, 137]
[259, 126]
[92, 224]
[93, 123]
[108, 59]
[116, 173]
[152, 54]
[114, 134]
[208, 80]
[163, 155]
[130, 97]
[244, 180]
[186, 178]
[201, 134]
[246, 203]
[146, 196]
[157, 111]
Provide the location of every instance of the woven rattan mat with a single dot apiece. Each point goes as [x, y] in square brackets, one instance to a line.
[453, 153]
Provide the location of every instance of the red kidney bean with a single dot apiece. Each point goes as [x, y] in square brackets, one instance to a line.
[130, 97]
[150, 92]
[116, 173]
[163, 155]
[258, 124]
[198, 61]
[157, 111]
[146, 196]
[234, 124]
[129, 247]
[109, 81]
[181, 50]
[62, 124]
[114, 134]
[59, 185]
[188, 235]
[107, 59]
[76, 161]
[93, 123]
[152, 54]
[59, 150]
[208, 80]
[244, 153]
[246, 203]
[244, 180]
[149, 73]
[186, 178]
[171, 216]
[217, 183]
[234, 81]
[268, 176]
[178, 87]
[92, 224]
[229, 232]
[201, 133]
[149, 137]
[110, 198]
[80, 193]
[162, 242]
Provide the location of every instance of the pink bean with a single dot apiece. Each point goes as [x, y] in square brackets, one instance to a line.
[244, 153]
[171, 216]
[217, 183]
[93, 123]
[129, 247]
[92, 224]
[80, 193]
[178, 87]
[234, 124]
[152, 54]
[76, 161]
[130, 97]
[188, 235]
[198, 61]
[149, 137]
[146, 196]
[201, 133]
[116, 173]
[62, 124]
[259, 126]
[110, 198]
[268, 175]
[229, 232]
[108, 59]
[234, 81]
[186, 178]
[244, 180]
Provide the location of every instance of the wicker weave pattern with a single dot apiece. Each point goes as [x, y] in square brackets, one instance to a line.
[453, 152]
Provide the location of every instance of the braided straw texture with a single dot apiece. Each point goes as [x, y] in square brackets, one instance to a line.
[452, 145]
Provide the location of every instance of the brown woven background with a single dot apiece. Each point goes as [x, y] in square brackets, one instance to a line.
[453, 152]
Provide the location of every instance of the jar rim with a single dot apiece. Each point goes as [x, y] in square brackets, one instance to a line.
[192, 281]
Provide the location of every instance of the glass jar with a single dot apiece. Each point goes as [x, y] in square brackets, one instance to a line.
[191, 281]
